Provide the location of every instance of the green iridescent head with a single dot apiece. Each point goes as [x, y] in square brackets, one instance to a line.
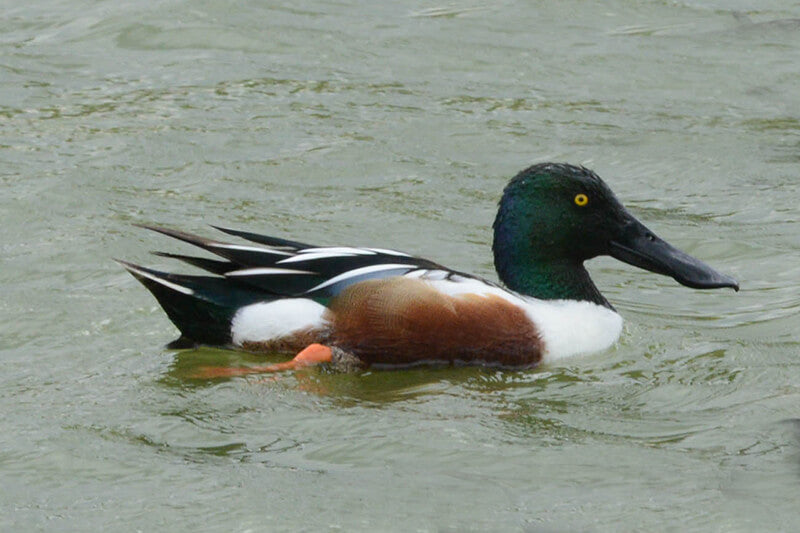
[553, 217]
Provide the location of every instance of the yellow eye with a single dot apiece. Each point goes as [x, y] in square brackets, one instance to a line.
[581, 200]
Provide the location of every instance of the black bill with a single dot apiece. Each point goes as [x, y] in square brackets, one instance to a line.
[640, 247]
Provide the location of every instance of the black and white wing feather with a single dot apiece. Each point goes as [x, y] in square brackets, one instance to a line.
[284, 268]
[203, 306]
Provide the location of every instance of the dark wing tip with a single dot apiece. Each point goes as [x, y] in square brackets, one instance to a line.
[273, 242]
[180, 235]
[125, 264]
[210, 265]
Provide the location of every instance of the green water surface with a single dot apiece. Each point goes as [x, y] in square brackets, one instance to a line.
[396, 124]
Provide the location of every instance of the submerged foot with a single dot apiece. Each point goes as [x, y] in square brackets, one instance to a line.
[313, 354]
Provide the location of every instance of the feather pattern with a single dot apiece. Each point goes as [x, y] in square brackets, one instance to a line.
[280, 267]
[277, 294]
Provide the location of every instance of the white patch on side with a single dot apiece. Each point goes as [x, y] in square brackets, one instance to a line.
[388, 252]
[265, 271]
[312, 257]
[436, 275]
[567, 327]
[436, 278]
[246, 248]
[360, 272]
[274, 320]
[339, 250]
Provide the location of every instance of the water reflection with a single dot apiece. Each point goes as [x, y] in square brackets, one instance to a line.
[374, 387]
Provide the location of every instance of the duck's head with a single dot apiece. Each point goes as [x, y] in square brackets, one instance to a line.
[553, 217]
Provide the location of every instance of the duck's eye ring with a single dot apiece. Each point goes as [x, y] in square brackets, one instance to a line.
[581, 200]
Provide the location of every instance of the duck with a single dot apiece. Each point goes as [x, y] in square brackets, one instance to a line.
[360, 307]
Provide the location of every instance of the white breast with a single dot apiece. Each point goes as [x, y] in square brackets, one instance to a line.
[570, 327]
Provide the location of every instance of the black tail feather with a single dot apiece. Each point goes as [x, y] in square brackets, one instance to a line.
[209, 265]
[196, 240]
[202, 307]
[245, 256]
[274, 242]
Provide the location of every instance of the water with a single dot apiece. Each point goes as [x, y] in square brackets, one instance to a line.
[396, 125]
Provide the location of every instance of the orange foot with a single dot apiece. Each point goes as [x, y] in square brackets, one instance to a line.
[313, 354]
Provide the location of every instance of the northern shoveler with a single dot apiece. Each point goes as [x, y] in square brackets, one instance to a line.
[373, 306]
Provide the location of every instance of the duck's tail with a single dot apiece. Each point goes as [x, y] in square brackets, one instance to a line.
[202, 307]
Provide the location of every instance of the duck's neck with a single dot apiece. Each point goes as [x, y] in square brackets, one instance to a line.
[529, 269]
[550, 281]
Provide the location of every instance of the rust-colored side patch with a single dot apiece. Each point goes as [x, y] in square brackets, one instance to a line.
[290, 344]
[401, 321]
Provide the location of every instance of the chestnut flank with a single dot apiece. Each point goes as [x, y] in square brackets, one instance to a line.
[402, 321]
